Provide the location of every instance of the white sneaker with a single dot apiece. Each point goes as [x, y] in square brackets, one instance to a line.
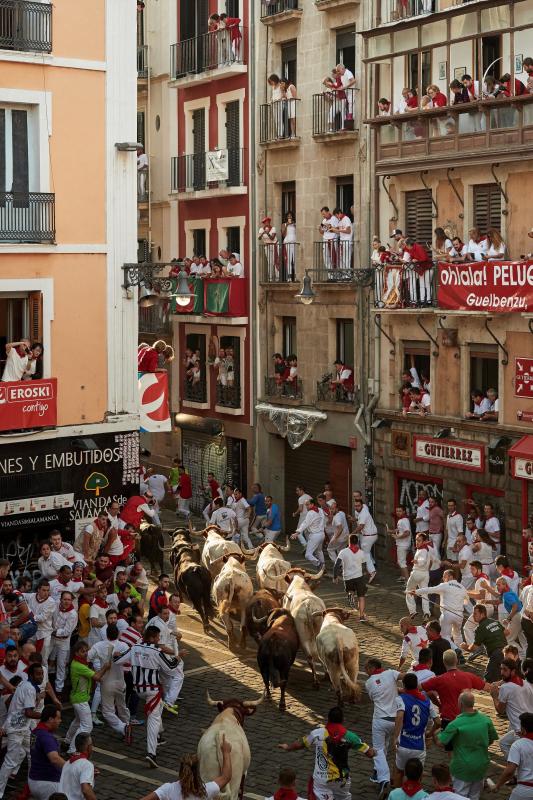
[96, 720]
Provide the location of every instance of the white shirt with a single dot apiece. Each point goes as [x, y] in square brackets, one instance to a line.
[240, 506]
[72, 777]
[347, 77]
[172, 791]
[103, 652]
[422, 675]
[364, 518]
[236, 270]
[477, 249]
[339, 519]
[142, 161]
[345, 222]
[422, 512]
[492, 527]
[466, 554]
[98, 614]
[403, 526]
[462, 252]
[352, 563]
[115, 522]
[15, 366]
[422, 560]
[57, 588]
[165, 638]
[444, 796]
[401, 106]
[49, 567]
[454, 526]
[302, 500]
[481, 408]
[521, 754]
[414, 642]
[453, 594]
[223, 517]
[518, 700]
[496, 252]
[157, 485]
[329, 235]
[43, 613]
[313, 522]
[25, 697]
[383, 690]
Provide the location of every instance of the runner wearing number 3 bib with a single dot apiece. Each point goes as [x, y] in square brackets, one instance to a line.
[414, 713]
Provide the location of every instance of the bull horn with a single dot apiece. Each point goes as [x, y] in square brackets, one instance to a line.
[285, 548]
[211, 701]
[259, 620]
[247, 556]
[318, 613]
[317, 575]
[252, 703]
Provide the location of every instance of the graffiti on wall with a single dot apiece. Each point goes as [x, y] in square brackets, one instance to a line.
[408, 489]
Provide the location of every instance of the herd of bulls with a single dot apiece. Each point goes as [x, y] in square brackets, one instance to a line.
[283, 615]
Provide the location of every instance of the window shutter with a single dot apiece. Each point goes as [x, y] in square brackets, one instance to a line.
[233, 142]
[487, 207]
[20, 152]
[140, 127]
[418, 216]
[198, 134]
[2, 150]
[35, 307]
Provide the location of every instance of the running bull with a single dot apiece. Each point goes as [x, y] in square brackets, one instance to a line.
[338, 651]
[277, 651]
[305, 606]
[192, 579]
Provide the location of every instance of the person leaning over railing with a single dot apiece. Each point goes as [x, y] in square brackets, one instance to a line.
[416, 255]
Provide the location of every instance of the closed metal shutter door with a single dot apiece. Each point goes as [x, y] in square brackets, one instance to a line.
[233, 143]
[236, 463]
[487, 207]
[418, 216]
[198, 133]
[306, 466]
[201, 454]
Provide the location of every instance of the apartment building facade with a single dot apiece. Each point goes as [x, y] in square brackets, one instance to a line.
[199, 202]
[456, 166]
[68, 438]
[310, 154]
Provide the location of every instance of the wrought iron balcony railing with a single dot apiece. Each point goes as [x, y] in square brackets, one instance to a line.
[26, 26]
[396, 10]
[206, 52]
[229, 396]
[405, 286]
[195, 390]
[269, 8]
[142, 61]
[279, 262]
[333, 261]
[216, 169]
[276, 387]
[333, 112]
[329, 390]
[277, 121]
[27, 217]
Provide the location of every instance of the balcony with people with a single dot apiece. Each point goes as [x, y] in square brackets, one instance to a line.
[337, 387]
[26, 26]
[276, 11]
[278, 254]
[333, 260]
[214, 173]
[333, 107]
[283, 384]
[218, 53]
[218, 287]
[398, 10]
[278, 118]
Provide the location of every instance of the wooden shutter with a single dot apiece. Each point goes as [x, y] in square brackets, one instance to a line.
[35, 309]
[19, 123]
[288, 198]
[306, 466]
[233, 142]
[418, 216]
[2, 150]
[140, 127]
[232, 8]
[198, 136]
[487, 207]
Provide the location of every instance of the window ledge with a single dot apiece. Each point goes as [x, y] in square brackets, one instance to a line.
[325, 5]
[282, 16]
[204, 194]
[234, 412]
[209, 75]
[334, 137]
[192, 404]
[439, 420]
[281, 144]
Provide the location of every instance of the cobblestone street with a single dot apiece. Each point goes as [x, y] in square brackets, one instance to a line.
[210, 665]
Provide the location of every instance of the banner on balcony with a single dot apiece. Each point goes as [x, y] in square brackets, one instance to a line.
[216, 166]
[493, 286]
[226, 297]
[153, 402]
[28, 404]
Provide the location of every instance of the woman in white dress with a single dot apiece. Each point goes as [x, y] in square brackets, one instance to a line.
[276, 102]
[289, 96]
[497, 247]
[288, 231]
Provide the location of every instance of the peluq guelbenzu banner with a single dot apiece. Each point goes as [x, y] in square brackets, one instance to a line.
[494, 286]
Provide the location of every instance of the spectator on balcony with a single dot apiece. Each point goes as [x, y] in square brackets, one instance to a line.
[344, 229]
[459, 250]
[289, 96]
[220, 366]
[481, 405]
[291, 379]
[420, 402]
[437, 98]
[216, 269]
[342, 383]
[34, 370]
[142, 171]
[289, 239]
[407, 102]
[165, 357]
[276, 99]
[375, 257]
[225, 255]
[396, 236]
[234, 268]
[230, 366]
[477, 246]
[492, 413]
[232, 26]
[405, 396]
[269, 239]
[18, 354]
[472, 88]
[496, 246]
[506, 83]
[384, 107]
[348, 81]
[147, 357]
[328, 231]
[528, 68]
[417, 255]
[491, 88]
[458, 92]
[443, 245]
[280, 369]
[204, 268]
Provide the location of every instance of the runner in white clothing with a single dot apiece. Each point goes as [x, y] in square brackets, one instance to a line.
[419, 577]
[402, 537]
[301, 511]
[478, 594]
[339, 524]
[415, 637]
[368, 535]
[241, 507]
[520, 762]
[465, 556]
[113, 687]
[382, 688]
[313, 523]
[224, 517]
[453, 597]
[43, 608]
[454, 526]
[349, 564]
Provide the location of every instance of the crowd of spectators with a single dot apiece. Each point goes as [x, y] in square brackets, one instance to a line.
[226, 37]
[226, 265]
[24, 361]
[154, 358]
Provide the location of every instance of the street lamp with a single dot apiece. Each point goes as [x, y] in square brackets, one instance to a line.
[154, 288]
[306, 295]
[183, 293]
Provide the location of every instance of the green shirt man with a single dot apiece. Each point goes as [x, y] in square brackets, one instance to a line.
[471, 734]
[81, 678]
[490, 633]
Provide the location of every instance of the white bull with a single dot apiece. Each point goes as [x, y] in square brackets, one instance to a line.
[338, 650]
[306, 609]
[272, 567]
[229, 723]
[232, 589]
[215, 548]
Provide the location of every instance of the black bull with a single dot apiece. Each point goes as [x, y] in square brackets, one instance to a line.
[192, 579]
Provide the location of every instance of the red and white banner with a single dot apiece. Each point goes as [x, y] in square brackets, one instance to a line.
[449, 453]
[28, 404]
[153, 402]
[494, 286]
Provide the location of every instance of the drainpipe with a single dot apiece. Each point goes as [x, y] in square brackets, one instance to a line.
[252, 208]
[148, 127]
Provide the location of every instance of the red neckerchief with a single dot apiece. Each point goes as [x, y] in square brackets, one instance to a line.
[101, 603]
[423, 546]
[516, 679]
[354, 548]
[66, 610]
[412, 629]
[24, 661]
[508, 572]
[378, 671]
[63, 582]
[336, 730]
[313, 508]
[415, 693]
[482, 575]
[9, 668]
[76, 757]
[41, 726]
[285, 794]
[80, 659]
[418, 667]
[527, 736]
[411, 787]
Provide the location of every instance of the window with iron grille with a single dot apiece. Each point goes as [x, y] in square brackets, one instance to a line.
[418, 216]
[487, 207]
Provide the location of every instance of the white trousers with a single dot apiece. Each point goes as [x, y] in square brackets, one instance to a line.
[366, 543]
[82, 723]
[271, 536]
[42, 790]
[333, 790]
[313, 552]
[471, 789]
[172, 686]
[46, 647]
[418, 579]
[451, 624]
[243, 525]
[18, 747]
[258, 523]
[436, 541]
[154, 723]
[401, 555]
[506, 741]
[97, 696]
[60, 652]
[382, 731]
[114, 709]
[424, 285]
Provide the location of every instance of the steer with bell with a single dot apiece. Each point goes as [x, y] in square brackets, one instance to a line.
[338, 650]
[305, 608]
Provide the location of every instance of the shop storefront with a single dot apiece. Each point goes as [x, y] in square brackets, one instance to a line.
[521, 458]
[61, 483]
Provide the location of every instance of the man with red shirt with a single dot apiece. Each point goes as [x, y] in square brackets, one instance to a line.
[505, 82]
[147, 356]
[445, 689]
[418, 256]
[184, 493]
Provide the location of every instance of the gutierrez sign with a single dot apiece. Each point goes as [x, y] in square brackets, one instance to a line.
[449, 453]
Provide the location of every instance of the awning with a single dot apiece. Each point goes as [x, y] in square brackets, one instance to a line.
[294, 424]
[521, 454]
